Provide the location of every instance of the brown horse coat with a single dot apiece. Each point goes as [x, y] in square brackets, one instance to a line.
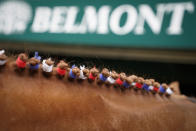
[29, 103]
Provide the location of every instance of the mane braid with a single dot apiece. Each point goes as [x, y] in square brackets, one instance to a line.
[123, 82]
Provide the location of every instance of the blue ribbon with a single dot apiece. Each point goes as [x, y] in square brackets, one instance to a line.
[145, 87]
[71, 74]
[37, 56]
[161, 89]
[73, 66]
[126, 85]
[102, 77]
[35, 67]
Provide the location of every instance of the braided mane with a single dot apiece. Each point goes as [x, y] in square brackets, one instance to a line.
[34, 101]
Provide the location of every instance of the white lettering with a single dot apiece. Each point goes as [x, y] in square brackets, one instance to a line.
[14, 17]
[89, 21]
[93, 20]
[103, 17]
[178, 9]
[62, 19]
[58, 19]
[70, 25]
[130, 21]
[154, 21]
[41, 21]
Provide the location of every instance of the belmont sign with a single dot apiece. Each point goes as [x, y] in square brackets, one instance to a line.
[62, 19]
[155, 24]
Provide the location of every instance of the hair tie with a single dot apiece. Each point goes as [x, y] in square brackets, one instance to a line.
[151, 87]
[81, 72]
[102, 77]
[37, 56]
[35, 67]
[138, 85]
[73, 66]
[92, 77]
[2, 52]
[20, 63]
[133, 84]
[155, 89]
[119, 81]
[169, 91]
[145, 87]
[161, 89]
[71, 74]
[61, 71]
[126, 85]
[110, 80]
[2, 62]
[46, 67]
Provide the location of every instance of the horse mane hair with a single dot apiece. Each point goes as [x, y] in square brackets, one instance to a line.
[35, 102]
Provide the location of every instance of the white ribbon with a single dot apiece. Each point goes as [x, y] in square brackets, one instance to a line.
[110, 80]
[81, 72]
[133, 83]
[2, 62]
[151, 87]
[82, 67]
[46, 67]
[2, 52]
[169, 91]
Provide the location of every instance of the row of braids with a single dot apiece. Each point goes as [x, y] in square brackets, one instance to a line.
[109, 78]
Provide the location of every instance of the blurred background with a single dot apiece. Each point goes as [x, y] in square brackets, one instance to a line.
[150, 38]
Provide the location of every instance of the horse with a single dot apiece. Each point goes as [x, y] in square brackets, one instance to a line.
[35, 102]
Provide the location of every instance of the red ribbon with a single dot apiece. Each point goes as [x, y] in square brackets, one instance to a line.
[91, 76]
[61, 71]
[155, 89]
[20, 63]
[119, 81]
[138, 85]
